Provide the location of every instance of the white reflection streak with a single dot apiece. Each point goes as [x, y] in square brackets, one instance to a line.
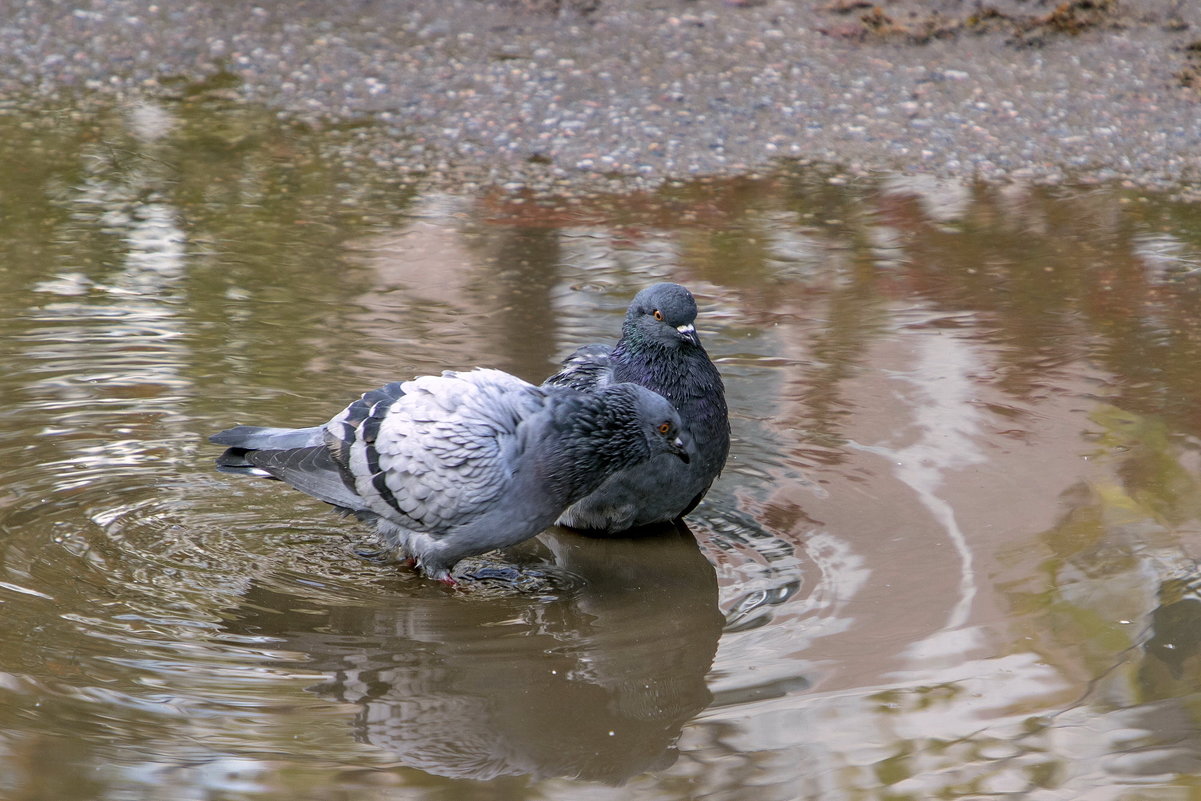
[1165, 255]
[946, 425]
[118, 329]
[944, 200]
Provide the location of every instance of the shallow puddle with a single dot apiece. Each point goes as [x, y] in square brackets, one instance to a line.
[953, 553]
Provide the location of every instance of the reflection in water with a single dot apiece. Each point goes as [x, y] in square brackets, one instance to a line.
[593, 683]
[942, 439]
[1175, 640]
[106, 342]
[954, 552]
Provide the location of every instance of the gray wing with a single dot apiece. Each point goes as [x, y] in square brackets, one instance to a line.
[436, 452]
[588, 369]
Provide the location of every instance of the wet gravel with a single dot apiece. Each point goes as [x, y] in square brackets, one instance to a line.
[595, 89]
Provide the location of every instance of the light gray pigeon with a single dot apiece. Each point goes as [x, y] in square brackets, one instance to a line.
[660, 350]
[455, 465]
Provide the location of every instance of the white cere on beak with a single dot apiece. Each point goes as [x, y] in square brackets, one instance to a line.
[686, 329]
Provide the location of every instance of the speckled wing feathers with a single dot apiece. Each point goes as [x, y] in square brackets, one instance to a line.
[587, 369]
[433, 452]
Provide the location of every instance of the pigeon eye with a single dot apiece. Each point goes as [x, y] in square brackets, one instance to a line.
[658, 315]
[664, 428]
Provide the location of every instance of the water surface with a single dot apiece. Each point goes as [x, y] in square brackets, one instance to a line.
[954, 552]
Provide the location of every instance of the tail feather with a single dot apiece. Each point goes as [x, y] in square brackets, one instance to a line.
[296, 456]
[266, 437]
[311, 470]
[236, 461]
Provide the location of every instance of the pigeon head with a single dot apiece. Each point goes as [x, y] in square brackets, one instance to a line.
[663, 315]
[621, 425]
[600, 433]
[640, 424]
[660, 422]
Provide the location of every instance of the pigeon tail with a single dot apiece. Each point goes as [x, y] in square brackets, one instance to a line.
[296, 456]
[268, 438]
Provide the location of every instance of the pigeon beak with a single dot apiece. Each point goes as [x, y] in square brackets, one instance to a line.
[688, 332]
[678, 449]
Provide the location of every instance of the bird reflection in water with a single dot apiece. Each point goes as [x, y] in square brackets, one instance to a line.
[594, 680]
[1174, 643]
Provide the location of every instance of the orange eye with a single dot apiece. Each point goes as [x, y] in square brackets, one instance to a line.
[664, 428]
[658, 315]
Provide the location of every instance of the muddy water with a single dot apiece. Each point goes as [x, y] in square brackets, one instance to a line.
[953, 554]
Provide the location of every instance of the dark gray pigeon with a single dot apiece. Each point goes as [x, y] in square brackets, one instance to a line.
[455, 465]
[659, 349]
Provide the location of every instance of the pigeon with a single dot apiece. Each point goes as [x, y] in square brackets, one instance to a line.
[463, 463]
[658, 349]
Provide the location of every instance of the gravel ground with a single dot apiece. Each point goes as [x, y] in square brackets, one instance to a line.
[589, 89]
